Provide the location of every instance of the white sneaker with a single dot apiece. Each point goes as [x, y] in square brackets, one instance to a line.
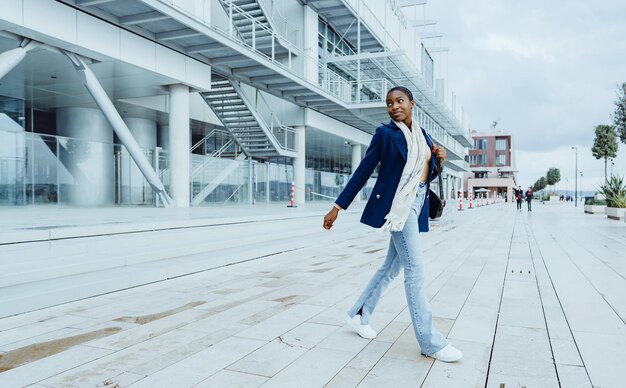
[364, 331]
[448, 354]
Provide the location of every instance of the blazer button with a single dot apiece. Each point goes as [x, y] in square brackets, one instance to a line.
[377, 196]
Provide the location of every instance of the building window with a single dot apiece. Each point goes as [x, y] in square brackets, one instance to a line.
[501, 160]
[473, 160]
[480, 144]
[332, 41]
[501, 145]
[482, 159]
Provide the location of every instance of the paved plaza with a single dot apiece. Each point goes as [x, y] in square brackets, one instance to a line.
[532, 299]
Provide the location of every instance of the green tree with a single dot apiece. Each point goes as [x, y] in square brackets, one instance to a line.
[605, 144]
[540, 184]
[619, 116]
[553, 176]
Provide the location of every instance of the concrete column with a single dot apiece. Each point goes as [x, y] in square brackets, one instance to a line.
[87, 155]
[135, 190]
[180, 145]
[299, 163]
[164, 137]
[356, 159]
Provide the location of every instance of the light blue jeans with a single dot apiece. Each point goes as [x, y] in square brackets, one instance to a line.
[404, 251]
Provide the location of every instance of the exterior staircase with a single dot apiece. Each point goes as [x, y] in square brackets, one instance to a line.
[257, 29]
[241, 119]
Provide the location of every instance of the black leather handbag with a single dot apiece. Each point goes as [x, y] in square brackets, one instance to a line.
[436, 203]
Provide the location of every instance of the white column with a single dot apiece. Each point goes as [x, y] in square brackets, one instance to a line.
[135, 189]
[87, 155]
[180, 145]
[299, 173]
[356, 159]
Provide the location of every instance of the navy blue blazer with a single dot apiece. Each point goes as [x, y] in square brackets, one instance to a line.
[388, 147]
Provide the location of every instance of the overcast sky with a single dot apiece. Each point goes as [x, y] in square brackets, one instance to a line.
[547, 71]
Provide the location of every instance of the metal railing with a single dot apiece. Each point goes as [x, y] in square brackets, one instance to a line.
[284, 135]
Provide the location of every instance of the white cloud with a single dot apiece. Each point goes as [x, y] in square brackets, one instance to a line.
[547, 71]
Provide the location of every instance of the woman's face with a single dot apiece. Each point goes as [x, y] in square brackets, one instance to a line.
[399, 107]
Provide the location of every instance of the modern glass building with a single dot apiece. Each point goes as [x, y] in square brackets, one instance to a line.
[196, 102]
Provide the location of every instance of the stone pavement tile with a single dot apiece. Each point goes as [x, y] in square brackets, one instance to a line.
[38, 370]
[392, 331]
[121, 379]
[269, 359]
[565, 352]
[201, 365]
[585, 309]
[344, 339]
[314, 369]
[307, 335]
[66, 332]
[238, 313]
[282, 322]
[572, 376]
[470, 371]
[534, 381]
[230, 379]
[609, 283]
[24, 336]
[475, 323]
[174, 355]
[330, 296]
[522, 313]
[393, 373]
[331, 316]
[140, 333]
[352, 374]
[105, 368]
[523, 354]
[450, 299]
[603, 355]
[407, 348]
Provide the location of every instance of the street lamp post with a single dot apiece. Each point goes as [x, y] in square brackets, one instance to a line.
[576, 179]
[581, 185]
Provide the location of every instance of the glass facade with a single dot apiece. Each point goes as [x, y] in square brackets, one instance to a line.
[48, 169]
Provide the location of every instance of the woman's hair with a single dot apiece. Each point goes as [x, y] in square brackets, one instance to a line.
[403, 90]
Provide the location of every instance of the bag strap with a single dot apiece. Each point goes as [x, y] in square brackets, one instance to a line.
[440, 179]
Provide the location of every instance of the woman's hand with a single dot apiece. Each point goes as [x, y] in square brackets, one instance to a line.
[440, 153]
[330, 218]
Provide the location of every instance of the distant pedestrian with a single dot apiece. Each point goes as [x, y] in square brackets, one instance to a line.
[518, 197]
[529, 198]
[399, 204]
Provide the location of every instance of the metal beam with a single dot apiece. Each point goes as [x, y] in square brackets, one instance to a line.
[265, 78]
[200, 48]
[247, 69]
[178, 34]
[11, 58]
[139, 18]
[89, 3]
[355, 57]
[121, 130]
[231, 58]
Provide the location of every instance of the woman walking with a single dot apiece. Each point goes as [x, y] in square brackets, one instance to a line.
[398, 204]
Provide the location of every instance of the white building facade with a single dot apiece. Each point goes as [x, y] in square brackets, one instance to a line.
[199, 102]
